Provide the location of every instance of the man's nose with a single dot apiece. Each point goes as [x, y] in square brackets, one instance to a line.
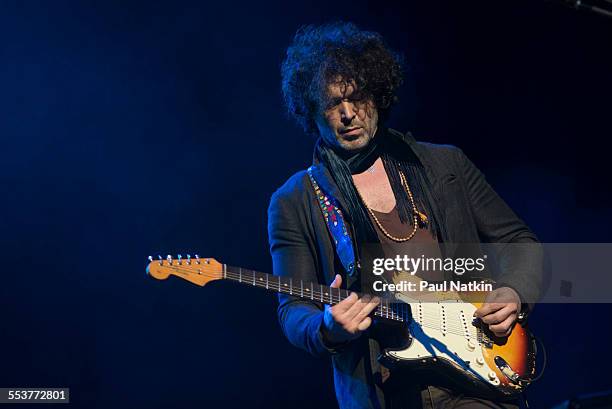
[347, 112]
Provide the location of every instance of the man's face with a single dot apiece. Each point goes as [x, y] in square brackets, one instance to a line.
[346, 120]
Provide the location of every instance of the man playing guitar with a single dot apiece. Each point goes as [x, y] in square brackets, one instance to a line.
[339, 83]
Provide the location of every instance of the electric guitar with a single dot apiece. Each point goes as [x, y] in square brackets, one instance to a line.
[440, 340]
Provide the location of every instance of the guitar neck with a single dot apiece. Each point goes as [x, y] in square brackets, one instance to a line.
[309, 291]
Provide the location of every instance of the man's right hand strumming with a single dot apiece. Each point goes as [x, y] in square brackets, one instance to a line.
[346, 320]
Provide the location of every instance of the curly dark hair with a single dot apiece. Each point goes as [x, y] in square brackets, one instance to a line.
[326, 53]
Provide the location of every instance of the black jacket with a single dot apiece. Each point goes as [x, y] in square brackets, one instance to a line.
[301, 248]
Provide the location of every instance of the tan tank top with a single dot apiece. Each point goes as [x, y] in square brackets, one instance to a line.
[423, 242]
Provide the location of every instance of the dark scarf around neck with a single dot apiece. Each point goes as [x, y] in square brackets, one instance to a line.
[396, 157]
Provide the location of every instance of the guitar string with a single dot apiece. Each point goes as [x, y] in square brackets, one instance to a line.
[380, 311]
[330, 298]
[433, 317]
[275, 286]
[327, 298]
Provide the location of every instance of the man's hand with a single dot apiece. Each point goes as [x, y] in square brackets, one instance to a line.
[500, 311]
[349, 318]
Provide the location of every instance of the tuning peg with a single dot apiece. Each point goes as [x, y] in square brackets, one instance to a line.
[179, 258]
[197, 259]
[160, 259]
[188, 258]
[169, 259]
[207, 261]
[150, 258]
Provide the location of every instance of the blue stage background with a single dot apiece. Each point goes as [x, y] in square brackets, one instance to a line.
[141, 128]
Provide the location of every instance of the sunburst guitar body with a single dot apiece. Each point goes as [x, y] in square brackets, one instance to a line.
[448, 346]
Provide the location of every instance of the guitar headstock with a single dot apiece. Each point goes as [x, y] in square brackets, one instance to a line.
[199, 271]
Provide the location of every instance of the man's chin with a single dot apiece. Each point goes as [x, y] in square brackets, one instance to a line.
[354, 144]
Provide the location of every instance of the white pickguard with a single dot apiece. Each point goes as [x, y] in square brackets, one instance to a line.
[444, 330]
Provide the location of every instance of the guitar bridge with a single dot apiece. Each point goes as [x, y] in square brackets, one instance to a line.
[482, 337]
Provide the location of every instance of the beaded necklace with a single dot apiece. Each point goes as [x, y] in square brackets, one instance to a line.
[416, 214]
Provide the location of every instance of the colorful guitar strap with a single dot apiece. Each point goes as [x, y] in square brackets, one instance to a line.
[335, 225]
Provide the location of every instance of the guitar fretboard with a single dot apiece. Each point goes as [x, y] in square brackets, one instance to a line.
[310, 291]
